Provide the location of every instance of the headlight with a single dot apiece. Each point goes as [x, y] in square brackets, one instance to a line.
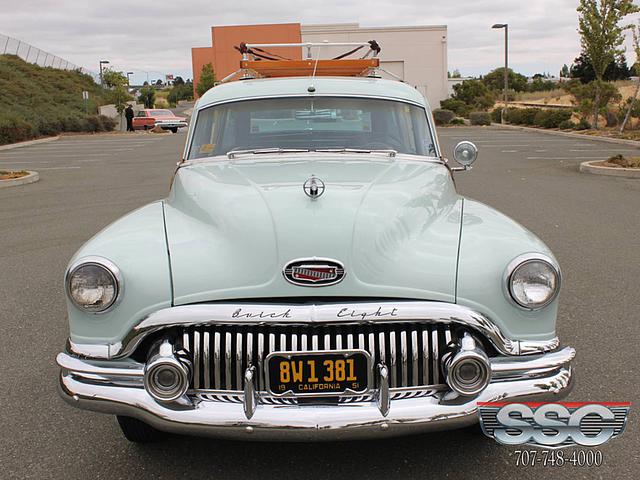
[533, 281]
[94, 284]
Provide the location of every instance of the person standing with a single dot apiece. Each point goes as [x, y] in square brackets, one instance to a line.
[128, 113]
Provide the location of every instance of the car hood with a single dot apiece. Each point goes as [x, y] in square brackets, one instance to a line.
[233, 225]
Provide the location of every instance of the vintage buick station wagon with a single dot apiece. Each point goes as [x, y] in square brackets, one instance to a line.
[312, 275]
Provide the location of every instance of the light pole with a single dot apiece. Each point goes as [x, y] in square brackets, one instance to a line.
[129, 78]
[102, 62]
[506, 66]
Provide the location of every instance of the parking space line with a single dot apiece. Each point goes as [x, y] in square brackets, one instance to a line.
[602, 157]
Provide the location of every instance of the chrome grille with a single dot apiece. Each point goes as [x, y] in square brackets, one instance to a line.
[221, 353]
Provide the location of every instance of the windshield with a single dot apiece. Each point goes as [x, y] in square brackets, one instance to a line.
[313, 124]
[161, 113]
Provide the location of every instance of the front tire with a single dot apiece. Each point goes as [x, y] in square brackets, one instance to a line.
[174, 129]
[137, 431]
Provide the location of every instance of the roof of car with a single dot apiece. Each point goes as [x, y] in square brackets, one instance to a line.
[299, 86]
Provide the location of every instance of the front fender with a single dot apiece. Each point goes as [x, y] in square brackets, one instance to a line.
[136, 244]
[489, 242]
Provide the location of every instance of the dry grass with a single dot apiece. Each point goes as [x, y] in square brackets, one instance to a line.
[624, 162]
[9, 175]
[557, 96]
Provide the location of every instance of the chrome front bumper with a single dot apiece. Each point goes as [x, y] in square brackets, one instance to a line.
[116, 387]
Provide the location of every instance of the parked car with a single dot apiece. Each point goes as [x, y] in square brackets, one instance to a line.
[313, 274]
[155, 117]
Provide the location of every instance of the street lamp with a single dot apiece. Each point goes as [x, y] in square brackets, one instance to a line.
[102, 62]
[506, 65]
[128, 78]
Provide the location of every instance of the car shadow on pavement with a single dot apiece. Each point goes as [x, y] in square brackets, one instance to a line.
[403, 457]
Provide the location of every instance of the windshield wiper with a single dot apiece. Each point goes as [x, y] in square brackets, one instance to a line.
[391, 153]
[258, 151]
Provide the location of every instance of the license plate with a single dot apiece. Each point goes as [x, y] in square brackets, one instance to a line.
[318, 373]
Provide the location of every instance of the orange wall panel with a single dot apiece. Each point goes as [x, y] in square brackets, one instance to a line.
[226, 59]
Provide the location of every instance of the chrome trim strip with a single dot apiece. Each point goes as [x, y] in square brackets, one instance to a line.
[382, 348]
[206, 360]
[426, 355]
[261, 372]
[196, 359]
[393, 363]
[414, 356]
[227, 359]
[293, 422]
[106, 369]
[216, 358]
[239, 356]
[435, 355]
[347, 313]
[404, 364]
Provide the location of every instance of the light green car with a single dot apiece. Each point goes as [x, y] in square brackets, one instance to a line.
[312, 275]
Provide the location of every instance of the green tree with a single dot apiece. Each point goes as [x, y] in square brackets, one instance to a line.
[469, 96]
[585, 95]
[565, 72]
[602, 36]
[207, 79]
[116, 84]
[148, 96]
[495, 80]
[632, 102]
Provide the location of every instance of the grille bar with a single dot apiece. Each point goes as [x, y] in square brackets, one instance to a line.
[221, 353]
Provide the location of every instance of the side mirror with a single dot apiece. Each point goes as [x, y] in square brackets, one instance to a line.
[465, 153]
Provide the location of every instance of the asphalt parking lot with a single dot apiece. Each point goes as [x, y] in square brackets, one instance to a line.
[591, 223]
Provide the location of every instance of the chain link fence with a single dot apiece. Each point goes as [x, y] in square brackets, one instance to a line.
[31, 54]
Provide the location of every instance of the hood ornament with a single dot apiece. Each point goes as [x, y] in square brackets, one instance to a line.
[313, 187]
[314, 272]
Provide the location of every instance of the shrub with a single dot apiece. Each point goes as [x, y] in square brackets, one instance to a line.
[528, 116]
[551, 118]
[583, 125]
[567, 125]
[108, 124]
[92, 124]
[14, 129]
[457, 121]
[71, 124]
[496, 115]
[456, 106]
[480, 118]
[442, 116]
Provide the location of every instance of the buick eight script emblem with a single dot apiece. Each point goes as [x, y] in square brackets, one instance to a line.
[314, 272]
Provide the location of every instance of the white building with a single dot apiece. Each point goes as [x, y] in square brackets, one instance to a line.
[415, 54]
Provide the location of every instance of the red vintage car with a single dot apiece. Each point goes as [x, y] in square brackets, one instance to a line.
[165, 119]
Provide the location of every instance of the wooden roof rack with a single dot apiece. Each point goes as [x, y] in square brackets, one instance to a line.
[260, 63]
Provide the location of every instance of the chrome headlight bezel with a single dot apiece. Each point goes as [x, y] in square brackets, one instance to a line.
[521, 261]
[112, 271]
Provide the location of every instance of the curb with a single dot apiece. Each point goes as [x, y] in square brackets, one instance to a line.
[11, 146]
[33, 177]
[618, 141]
[589, 167]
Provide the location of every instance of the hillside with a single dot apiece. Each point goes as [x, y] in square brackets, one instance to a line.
[37, 101]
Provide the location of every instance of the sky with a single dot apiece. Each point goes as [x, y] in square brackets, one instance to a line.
[156, 37]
